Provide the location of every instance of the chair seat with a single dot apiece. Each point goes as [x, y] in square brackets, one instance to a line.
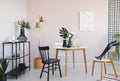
[51, 60]
[102, 60]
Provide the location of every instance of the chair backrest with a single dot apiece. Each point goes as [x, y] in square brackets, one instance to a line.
[44, 53]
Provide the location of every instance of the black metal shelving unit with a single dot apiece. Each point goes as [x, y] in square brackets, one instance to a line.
[20, 53]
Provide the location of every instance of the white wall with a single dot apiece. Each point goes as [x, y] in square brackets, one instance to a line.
[64, 13]
[10, 12]
[57, 14]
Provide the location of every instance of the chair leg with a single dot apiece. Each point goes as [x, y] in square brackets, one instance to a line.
[93, 65]
[42, 70]
[114, 69]
[101, 71]
[105, 68]
[48, 72]
[59, 69]
[52, 68]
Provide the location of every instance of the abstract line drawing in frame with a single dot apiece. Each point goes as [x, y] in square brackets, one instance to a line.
[87, 21]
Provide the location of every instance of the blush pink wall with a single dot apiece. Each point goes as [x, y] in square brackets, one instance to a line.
[65, 13]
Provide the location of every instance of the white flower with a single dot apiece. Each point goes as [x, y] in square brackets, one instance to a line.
[70, 35]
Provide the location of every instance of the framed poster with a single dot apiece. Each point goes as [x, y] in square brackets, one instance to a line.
[86, 21]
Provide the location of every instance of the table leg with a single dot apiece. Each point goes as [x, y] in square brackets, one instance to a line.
[56, 53]
[65, 62]
[56, 58]
[73, 60]
[85, 60]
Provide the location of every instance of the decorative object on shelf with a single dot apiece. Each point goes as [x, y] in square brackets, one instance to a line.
[3, 66]
[23, 24]
[70, 36]
[38, 23]
[64, 34]
[22, 36]
[21, 66]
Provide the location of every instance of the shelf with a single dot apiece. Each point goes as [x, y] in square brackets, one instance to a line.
[14, 58]
[17, 56]
[12, 42]
[14, 71]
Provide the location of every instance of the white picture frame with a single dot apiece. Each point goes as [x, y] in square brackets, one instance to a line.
[87, 21]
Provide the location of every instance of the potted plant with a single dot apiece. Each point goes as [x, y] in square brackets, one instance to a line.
[23, 25]
[3, 67]
[64, 34]
[117, 37]
[70, 36]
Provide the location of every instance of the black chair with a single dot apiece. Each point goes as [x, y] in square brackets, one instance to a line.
[48, 63]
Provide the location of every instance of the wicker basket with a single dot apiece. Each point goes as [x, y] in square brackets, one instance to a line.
[38, 63]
